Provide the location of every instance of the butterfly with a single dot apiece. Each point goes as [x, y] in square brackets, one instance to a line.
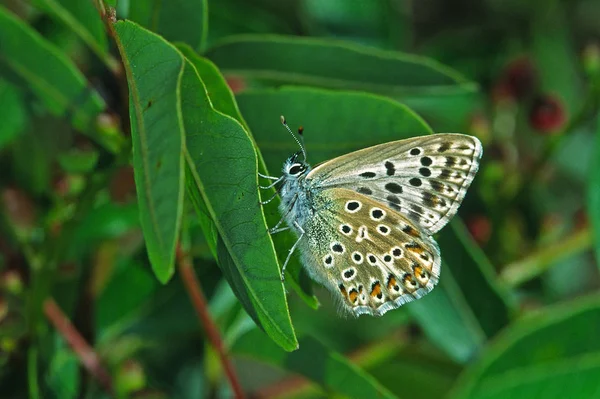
[365, 220]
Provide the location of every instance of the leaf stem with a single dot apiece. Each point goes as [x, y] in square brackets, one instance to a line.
[538, 262]
[198, 299]
[32, 381]
[86, 354]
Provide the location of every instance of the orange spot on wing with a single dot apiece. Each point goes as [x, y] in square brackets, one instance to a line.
[411, 232]
[353, 296]
[376, 291]
[343, 291]
[414, 247]
[418, 271]
[391, 283]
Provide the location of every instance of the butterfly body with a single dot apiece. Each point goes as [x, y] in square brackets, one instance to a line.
[365, 220]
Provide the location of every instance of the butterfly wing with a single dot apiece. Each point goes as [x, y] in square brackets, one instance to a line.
[371, 257]
[424, 177]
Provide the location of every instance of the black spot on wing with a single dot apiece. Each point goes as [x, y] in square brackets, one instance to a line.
[390, 169]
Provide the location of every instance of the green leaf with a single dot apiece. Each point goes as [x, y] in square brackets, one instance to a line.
[223, 164]
[442, 96]
[593, 196]
[223, 101]
[553, 354]
[328, 63]
[48, 73]
[175, 20]
[487, 298]
[154, 70]
[83, 19]
[338, 122]
[221, 97]
[313, 360]
[12, 113]
[128, 289]
[553, 49]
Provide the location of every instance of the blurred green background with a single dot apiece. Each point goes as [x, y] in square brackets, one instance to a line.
[128, 161]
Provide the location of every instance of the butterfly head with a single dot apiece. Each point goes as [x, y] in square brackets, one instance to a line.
[294, 168]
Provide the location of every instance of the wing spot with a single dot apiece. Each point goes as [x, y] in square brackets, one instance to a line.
[357, 257]
[415, 151]
[353, 206]
[353, 295]
[387, 258]
[426, 161]
[444, 147]
[383, 229]
[346, 229]
[349, 274]
[417, 209]
[396, 252]
[425, 172]
[376, 290]
[377, 214]
[371, 259]
[450, 161]
[328, 260]
[445, 173]
[409, 281]
[436, 185]
[415, 181]
[368, 175]
[390, 168]
[394, 188]
[337, 248]
[410, 231]
[365, 190]
[392, 284]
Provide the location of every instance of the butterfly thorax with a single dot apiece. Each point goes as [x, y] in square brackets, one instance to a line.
[299, 195]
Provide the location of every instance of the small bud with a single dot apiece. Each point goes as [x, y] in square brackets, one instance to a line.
[122, 185]
[518, 81]
[235, 83]
[591, 59]
[130, 377]
[480, 228]
[522, 77]
[12, 282]
[547, 114]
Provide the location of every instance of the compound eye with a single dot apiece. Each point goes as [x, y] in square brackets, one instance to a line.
[296, 169]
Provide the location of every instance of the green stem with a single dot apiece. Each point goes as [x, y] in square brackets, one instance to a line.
[538, 262]
[32, 381]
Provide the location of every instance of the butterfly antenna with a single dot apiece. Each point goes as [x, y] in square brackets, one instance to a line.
[300, 131]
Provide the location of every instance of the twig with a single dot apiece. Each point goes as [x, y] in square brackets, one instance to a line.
[212, 332]
[86, 354]
[538, 262]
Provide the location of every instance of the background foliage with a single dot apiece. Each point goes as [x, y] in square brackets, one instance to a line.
[129, 151]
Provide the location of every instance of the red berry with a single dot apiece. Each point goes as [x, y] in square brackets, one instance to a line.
[480, 228]
[547, 114]
[521, 77]
[235, 83]
[519, 80]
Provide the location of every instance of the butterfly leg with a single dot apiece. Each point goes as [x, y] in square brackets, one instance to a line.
[271, 185]
[276, 229]
[269, 177]
[273, 231]
[292, 249]
[269, 200]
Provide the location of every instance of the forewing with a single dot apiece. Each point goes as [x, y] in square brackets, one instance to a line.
[424, 177]
[370, 256]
